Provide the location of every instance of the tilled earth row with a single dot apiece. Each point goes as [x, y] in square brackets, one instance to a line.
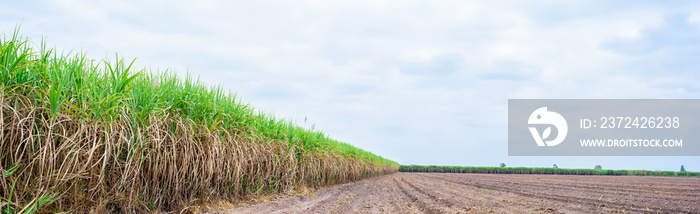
[499, 193]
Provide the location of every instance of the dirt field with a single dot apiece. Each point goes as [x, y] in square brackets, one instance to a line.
[499, 193]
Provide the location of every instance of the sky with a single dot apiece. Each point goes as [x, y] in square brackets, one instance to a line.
[417, 82]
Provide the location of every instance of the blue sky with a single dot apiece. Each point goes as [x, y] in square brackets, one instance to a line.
[419, 82]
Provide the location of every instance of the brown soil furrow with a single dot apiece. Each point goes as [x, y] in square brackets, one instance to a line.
[369, 197]
[461, 197]
[497, 200]
[632, 193]
[680, 193]
[591, 197]
[431, 194]
[672, 184]
[419, 200]
[543, 196]
[497, 193]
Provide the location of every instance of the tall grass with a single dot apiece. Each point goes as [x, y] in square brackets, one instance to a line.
[538, 170]
[102, 136]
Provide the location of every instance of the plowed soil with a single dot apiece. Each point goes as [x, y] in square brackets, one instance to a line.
[497, 193]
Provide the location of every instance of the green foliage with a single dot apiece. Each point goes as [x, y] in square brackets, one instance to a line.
[134, 141]
[31, 207]
[9, 172]
[538, 170]
[682, 168]
[598, 167]
[99, 92]
[10, 206]
[502, 165]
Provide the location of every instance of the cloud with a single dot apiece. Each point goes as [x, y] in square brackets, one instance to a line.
[675, 32]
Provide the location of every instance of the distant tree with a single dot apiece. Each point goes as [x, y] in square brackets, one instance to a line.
[502, 165]
[598, 167]
[555, 166]
[682, 168]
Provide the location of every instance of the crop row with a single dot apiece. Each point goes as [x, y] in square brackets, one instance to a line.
[98, 136]
[536, 170]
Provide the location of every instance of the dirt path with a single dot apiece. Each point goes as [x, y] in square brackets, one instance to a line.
[477, 193]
